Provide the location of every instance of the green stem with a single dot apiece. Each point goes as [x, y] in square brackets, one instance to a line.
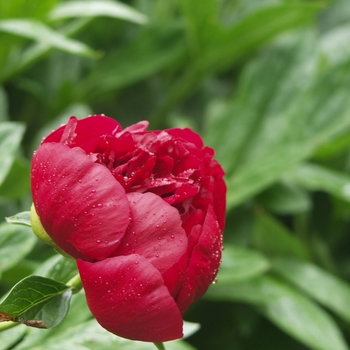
[7, 325]
[160, 346]
[75, 283]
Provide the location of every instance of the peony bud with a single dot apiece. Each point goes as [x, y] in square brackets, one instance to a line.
[141, 211]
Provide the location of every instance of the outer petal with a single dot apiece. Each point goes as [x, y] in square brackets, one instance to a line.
[204, 262]
[80, 204]
[155, 231]
[127, 296]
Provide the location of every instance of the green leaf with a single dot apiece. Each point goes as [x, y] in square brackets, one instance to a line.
[16, 183]
[106, 8]
[315, 177]
[78, 314]
[11, 134]
[285, 198]
[91, 336]
[3, 105]
[324, 287]
[28, 293]
[271, 127]
[190, 328]
[149, 53]
[273, 238]
[49, 313]
[286, 308]
[59, 268]
[22, 218]
[25, 8]
[12, 337]
[35, 30]
[251, 31]
[240, 264]
[16, 241]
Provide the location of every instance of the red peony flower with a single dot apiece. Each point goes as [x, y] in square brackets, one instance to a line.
[141, 211]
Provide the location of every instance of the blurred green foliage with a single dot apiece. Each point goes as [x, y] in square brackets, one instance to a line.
[266, 83]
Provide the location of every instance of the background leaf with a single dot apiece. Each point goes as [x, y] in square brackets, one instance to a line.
[97, 8]
[16, 241]
[288, 309]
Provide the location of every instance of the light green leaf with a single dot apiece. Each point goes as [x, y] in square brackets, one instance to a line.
[11, 134]
[315, 177]
[11, 337]
[35, 30]
[324, 287]
[91, 336]
[106, 8]
[271, 237]
[190, 328]
[59, 268]
[28, 293]
[16, 241]
[286, 308]
[22, 218]
[240, 264]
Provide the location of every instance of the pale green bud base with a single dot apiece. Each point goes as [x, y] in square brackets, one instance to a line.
[40, 232]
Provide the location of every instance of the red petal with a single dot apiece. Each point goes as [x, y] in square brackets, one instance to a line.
[155, 231]
[80, 204]
[204, 262]
[88, 131]
[186, 134]
[127, 296]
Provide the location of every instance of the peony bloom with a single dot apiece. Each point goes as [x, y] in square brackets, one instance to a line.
[141, 211]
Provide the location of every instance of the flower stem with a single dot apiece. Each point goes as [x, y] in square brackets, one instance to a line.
[160, 346]
[75, 283]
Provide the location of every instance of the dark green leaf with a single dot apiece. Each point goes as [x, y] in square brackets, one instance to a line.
[151, 52]
[324, 287]
[106, 8]
[251, 31]
[273, 238]
[287, 308]
[16, 241]
[28, 293]
[49, 313]
[16, 183]
[3, 105]
[285, 198]
[22, 218]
